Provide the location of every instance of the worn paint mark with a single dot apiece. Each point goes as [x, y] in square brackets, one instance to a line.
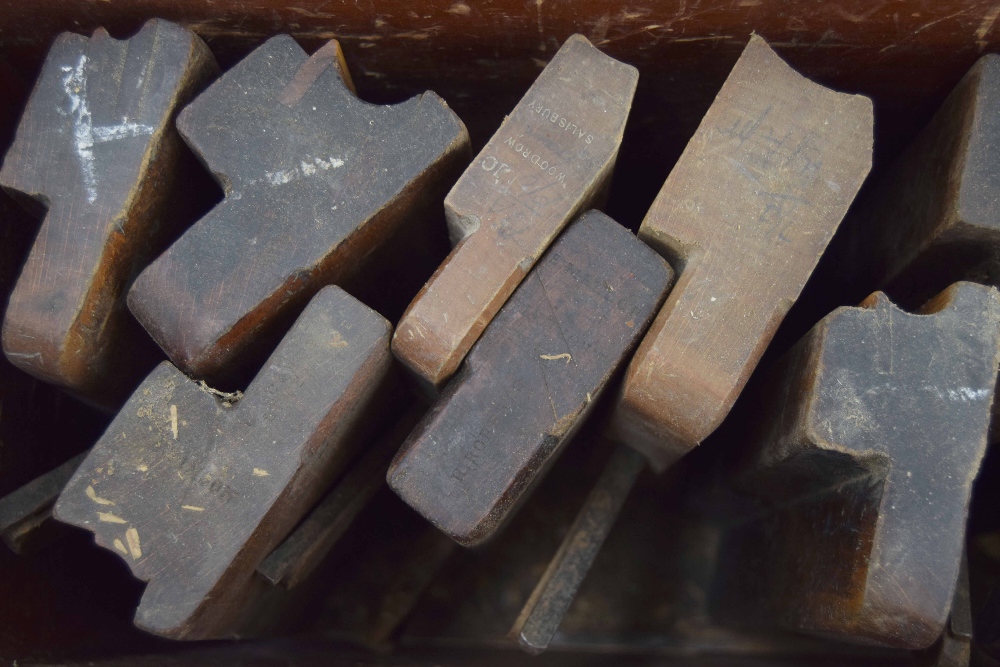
[97, 499]
[110, 518]
[627, 15]
[553, 357]
[935, 22]
[709, 38]
[173, 420]
[25, 355]
[259, 472]
[85, 135]
[986, 25]
[307, 167]
[311, 14]
[649, 29]
[963, 394]
[600, 30]
[193, 508]
[857, 18]
[968, 394]
[338, 341]
[121, 547]
[132, 537]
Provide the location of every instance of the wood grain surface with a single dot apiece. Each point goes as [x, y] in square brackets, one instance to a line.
[906, 55]
[97, 151]
[531, 380]
[871, 432]
[744, 216]
[548, 161]
[315, 180]
[193, 491]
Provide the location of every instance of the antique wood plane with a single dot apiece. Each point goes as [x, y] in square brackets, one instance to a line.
[933, 218]
[552, 158]
[27, 527]
[194, 490]
[97, 154]
[315, 180]
[744, 217]
[531, 379]
[871, 432]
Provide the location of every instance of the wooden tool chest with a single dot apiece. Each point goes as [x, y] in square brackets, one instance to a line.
[396, 591]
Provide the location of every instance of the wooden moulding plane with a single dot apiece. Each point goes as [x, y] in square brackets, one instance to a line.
[194, 490]
[744, 217]
[97, 152]
[27, 526]
[870, 434]
[933, 219]
[314, 178]
[530, 381]
[552, 158]
[878, 432]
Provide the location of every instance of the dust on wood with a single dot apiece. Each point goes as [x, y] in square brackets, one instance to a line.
[502, 422]
[558, 146]
[228, 491]
[343, 173]
[769, 175]
[870, 433]
[97, 147]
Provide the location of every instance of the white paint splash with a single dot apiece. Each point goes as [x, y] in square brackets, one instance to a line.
[85, 135]
[308, 167]
[968, 394]
[963, 394]
[124, 130]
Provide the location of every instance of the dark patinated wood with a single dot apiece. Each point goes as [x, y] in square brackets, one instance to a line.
[379, 571]
[934, 218]
[550, 600]
[300, 553]
[315, 180]
[194, 491]
[26, 514]
[871, 432]
[954, 647]
[744, 216]
[906, 54]
[644, 599]
[550, 159]
[96, 150]
[393, 573]
[531, 379]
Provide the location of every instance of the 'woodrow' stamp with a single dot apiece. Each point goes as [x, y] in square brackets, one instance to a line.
[549, 160]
